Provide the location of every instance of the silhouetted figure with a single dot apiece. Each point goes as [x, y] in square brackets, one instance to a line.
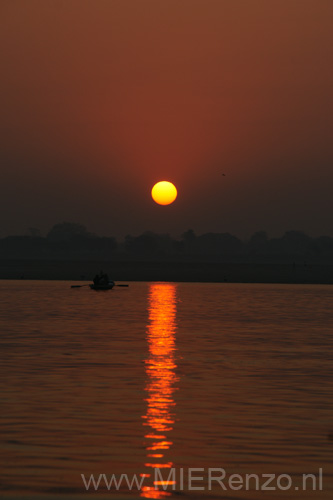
[103, 278]
[96, 280]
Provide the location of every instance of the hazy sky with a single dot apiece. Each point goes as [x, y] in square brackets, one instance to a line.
[100, 99]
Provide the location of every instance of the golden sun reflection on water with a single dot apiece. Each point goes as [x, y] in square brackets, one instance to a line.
[161, 384]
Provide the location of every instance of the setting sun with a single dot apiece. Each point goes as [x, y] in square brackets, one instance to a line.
[164, 193]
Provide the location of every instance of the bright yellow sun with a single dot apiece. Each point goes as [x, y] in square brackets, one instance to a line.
[164, 193]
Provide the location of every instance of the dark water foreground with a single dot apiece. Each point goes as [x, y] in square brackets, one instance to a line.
[187, 271]
[165, 376]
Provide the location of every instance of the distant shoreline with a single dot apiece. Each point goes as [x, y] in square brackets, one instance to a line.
[209, 272]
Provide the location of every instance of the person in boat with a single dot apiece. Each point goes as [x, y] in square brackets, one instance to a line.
[96, 280]
[103, 279]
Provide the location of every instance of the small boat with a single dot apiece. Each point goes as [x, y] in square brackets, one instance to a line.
[103, 286]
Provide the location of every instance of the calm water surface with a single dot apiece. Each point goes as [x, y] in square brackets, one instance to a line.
[164, 375]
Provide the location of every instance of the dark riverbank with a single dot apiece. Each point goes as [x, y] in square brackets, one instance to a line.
[169, 271]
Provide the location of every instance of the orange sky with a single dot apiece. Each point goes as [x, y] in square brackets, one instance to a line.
[103, 98]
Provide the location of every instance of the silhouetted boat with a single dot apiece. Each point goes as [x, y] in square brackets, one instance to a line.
[102, 286]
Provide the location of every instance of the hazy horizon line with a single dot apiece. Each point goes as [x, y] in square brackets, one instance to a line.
[37, 233]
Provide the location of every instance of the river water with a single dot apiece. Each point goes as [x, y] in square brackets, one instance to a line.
[157, 379]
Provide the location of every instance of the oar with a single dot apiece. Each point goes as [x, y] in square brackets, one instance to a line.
[79, 286]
